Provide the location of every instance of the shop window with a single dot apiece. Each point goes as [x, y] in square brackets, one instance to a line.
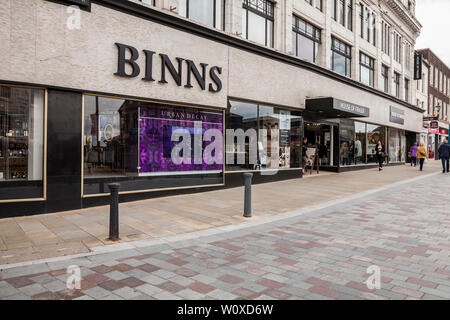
[397, 145]
[262, 137]
[208, 12]
[258, 21]
[367, 69]
[374, 134]
[146, 145]
[306, 39]
[21, 143]
[353, 142]
[341, 57]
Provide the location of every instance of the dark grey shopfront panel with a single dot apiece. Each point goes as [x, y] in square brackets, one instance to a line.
[64, 150]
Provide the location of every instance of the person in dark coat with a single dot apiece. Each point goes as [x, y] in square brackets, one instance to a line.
[444, 154]
[379, 149]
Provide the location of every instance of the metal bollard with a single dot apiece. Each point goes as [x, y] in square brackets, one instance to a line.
[114, 212]
[248, 195]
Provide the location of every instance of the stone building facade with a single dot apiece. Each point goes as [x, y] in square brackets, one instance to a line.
[95, 96]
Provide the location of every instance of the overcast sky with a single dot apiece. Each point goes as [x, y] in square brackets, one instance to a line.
[434, 15]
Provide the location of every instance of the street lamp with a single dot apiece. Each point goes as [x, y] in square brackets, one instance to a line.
[438, 109]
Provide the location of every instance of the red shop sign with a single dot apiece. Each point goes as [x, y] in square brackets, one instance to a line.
[444, 131]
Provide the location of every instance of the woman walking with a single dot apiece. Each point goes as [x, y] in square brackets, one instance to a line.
[379, 149]
[413, 152]
[421, 154]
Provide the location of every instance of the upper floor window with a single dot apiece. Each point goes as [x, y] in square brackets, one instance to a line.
[431, 75]
[397, 47]
[386, 38]
[305, 39]
[257, 21]
[366, 69]
[341, 13]
[407, 55]
[385, 76]
[341, 57]
[367, 24]
[397, 84]
[209, 12]
[152, 2]
[315, 3]
[406, 89]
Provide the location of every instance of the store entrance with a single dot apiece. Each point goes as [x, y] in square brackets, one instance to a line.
[322, 136]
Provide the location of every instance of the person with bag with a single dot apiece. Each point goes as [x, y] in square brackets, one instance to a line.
[444, 154]
[379, 149]
[421, 154]
[413, 155]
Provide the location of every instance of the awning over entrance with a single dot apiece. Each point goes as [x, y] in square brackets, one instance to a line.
[331, 108]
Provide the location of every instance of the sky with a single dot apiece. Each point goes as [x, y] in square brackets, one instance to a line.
[434, 15]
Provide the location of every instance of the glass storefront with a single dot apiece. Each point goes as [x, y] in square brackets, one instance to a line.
[21, 142]
[322, 137]
[397, 145]
[147, 145]
[262, 137]
[358, 141]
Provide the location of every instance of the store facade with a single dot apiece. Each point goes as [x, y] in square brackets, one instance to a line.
[86, 107]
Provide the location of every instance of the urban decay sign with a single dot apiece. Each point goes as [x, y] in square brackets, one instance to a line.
[211, 83]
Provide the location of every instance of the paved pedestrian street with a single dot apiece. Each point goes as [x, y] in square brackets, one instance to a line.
[319, 254]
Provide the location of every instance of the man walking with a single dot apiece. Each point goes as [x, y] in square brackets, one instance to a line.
[444, 154]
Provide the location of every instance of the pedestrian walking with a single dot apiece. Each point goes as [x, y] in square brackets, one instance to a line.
[413, 151]
[304, 156]
[421, 154]
[380, 153]
[444, 154]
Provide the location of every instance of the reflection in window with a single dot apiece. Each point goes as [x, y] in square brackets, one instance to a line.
[208, 12]
[272, 138]
[306, 39]
[257, 21]
[341, 57]
[21, 134]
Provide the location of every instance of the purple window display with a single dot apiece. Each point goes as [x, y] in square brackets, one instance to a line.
[158, 122]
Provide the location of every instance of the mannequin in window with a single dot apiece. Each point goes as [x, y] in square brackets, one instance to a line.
[358, 151]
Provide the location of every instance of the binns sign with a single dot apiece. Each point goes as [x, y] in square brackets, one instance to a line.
[207, 80]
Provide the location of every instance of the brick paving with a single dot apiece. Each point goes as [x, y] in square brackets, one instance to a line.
[81, 231]
[322, 254]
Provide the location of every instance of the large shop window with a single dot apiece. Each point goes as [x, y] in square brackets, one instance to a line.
[21, 143]
[262, 137]
[305, 39]
[397, 145]
[146, 146]
[358, 142]
[209, 12]
[366, 69]
[258, 21]
[341, 57]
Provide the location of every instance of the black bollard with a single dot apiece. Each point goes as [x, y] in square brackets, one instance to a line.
[248, 195]
[114, 212]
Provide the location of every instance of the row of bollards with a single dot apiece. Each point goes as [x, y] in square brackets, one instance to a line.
[114, 205]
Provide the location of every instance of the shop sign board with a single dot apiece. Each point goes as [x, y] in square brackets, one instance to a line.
[430, 118]
[397, 115]
[434, 127]
[350, 107]
[200, 74]
[417, 66]
[443, 131]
